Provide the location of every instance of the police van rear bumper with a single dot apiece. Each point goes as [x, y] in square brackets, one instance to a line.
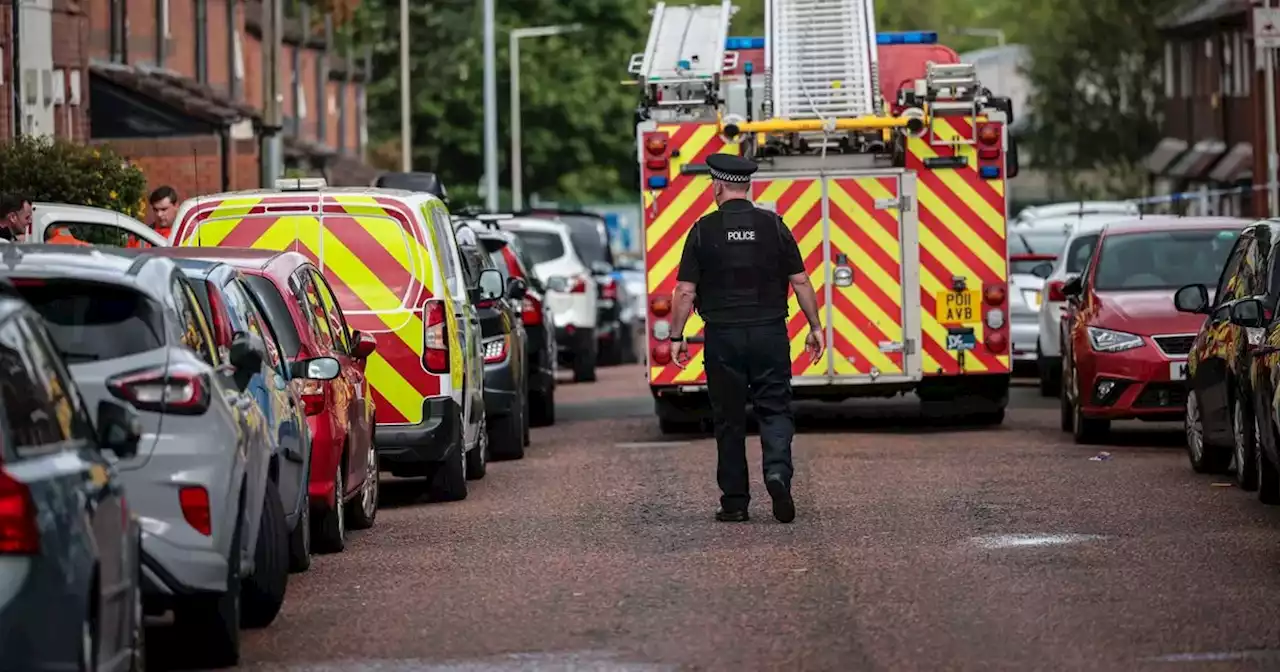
[409, 449]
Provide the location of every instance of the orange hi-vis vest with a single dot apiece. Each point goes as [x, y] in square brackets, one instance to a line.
[135, 242]
[63, 237]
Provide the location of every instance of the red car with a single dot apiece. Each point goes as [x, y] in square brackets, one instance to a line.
[309, 323]
[1125, 344]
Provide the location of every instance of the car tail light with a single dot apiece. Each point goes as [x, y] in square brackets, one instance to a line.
[178, 390]
[531, 311]
[609, 290]
[495, 350]
[662, 354]
[1054, 290]
[660, 305]
[19, 533]
[435, 339]
[221, 323]
[995, 341]
[194, 501]
[579, 285]
[313, 397]
[993, 294]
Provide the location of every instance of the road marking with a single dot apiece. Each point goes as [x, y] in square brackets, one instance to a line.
[540, 662]
[1214, 656]
[1024, 540]
[651, 444]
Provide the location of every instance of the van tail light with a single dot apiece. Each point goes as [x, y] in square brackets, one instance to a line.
[579, 285]
[194, 501]
[994, 295]
[661, 354]
[996, 341]
[495, 350]
[1055, 290]
[531, 311]
[220, 317]
[19, 533]
[313, 397]
[435, 338]
[660, 305]
[179, 390]
[609, 290]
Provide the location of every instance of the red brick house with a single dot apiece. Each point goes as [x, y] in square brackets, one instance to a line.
[52, 75]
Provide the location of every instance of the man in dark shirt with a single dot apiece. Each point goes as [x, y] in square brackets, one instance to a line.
[15, 217]
[736, 267]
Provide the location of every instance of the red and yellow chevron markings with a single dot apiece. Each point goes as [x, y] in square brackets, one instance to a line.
[799, 203]
[385, 303]
[866, 317]
[962, 232]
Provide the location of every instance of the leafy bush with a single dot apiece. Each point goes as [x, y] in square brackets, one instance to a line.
[60, 171]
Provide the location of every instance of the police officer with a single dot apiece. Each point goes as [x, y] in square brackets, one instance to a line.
[736, 266]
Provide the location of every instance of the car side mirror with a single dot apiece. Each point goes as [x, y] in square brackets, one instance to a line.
[1248, 313]
[1043, 270]
[364, 346]
[517, 288]
[490, 285]
[316, 368]
[1193, 299]
[1073, 287]
[247, 354]
[119, 428]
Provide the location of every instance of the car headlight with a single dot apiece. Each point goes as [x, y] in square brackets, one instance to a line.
[1106, 340]
[1032, 297]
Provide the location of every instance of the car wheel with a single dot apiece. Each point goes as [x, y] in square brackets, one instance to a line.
[1205, 458]
[300, 541]
[1246, 469]
[1050, 386]
[364, 509]
[211, 623]
[543, 407]
[138, 647]
[262, 593]
[331, 527]
[478, 457]
[1268, 475]
[448, 483]
[1066, 412]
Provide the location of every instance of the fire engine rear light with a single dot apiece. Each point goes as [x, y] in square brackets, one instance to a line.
[661, 354]
[661, 330]
[656, 164]
[995, 318]
[531, 311]
[989, 172]
[989, 153]
[19, 533]
[988, 135]
[656, 144]
[435, 339]
[993, 294]
[660, 305]
[657, 182]
[495, 349]
[194, 501]
[313, 397]
[996, 341]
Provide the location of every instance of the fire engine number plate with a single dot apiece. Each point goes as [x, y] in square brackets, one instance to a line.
[964, 307]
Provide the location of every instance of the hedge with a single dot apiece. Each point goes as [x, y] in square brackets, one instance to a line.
[59, 171]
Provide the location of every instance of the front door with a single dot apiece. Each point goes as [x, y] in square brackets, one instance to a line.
[859, 248]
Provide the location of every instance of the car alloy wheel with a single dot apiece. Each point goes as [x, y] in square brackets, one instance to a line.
[369, 489]
[340, 489]
[1237, 433]
[1194, 427]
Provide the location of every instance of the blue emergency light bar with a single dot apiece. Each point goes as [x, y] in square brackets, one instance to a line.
[907, 37]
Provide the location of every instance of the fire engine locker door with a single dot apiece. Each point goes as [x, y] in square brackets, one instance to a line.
[872, 288]
[797, 198]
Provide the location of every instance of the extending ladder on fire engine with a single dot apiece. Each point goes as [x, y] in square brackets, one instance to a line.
[821, 55]
[685, 53]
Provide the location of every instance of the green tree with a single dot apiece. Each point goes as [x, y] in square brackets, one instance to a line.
[1098, 98]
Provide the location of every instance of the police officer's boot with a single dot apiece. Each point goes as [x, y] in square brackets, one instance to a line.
[784, 508]
[732, 515]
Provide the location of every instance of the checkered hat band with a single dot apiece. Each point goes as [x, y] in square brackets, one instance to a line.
[729, 177]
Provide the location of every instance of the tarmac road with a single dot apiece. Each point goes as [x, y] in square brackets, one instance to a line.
[916, 548]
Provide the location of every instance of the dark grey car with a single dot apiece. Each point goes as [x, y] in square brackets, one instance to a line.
[70, 577]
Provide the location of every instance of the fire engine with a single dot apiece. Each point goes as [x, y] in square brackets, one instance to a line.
[887, 159]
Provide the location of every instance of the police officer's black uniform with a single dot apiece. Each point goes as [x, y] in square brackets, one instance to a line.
[740, 258]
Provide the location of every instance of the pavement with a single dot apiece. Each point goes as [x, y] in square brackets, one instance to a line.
[917, 547]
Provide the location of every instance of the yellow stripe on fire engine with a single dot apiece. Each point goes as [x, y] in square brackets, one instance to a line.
[963, 192]
[968, 151]
[352, 272]
[817, 277]
[224, 219]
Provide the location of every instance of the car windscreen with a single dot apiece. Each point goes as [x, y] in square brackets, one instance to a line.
[91, 321]
[500, 263]
[589, 239]
[272, 304]
[542, 246]
[1163, 259]
[1038, 242]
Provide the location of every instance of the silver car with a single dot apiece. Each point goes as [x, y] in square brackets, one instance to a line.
[1032, 251]
[130, 328]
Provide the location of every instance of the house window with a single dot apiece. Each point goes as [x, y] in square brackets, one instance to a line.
[1186, 70]
[1170, 68]
[1244, 74]
[1226, 73]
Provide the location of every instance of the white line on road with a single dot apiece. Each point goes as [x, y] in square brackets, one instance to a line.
[1025, 540]
[583, 661]
[1214, 656]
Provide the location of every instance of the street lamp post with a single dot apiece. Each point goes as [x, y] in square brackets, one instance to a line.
[406, 132]
[517, 177]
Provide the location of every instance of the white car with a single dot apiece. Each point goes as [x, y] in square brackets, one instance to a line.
[1032, 253]
[1071, 261]
[572, 291]
[1076, 209]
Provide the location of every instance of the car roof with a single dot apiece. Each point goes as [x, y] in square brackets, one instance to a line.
[85, 213]
[1077, 208]
[1154, 223]
[322, 191]
[534, 224]
[250, 260]
[115, 265]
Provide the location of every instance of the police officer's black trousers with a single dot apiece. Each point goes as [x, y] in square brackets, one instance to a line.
[749, 363]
